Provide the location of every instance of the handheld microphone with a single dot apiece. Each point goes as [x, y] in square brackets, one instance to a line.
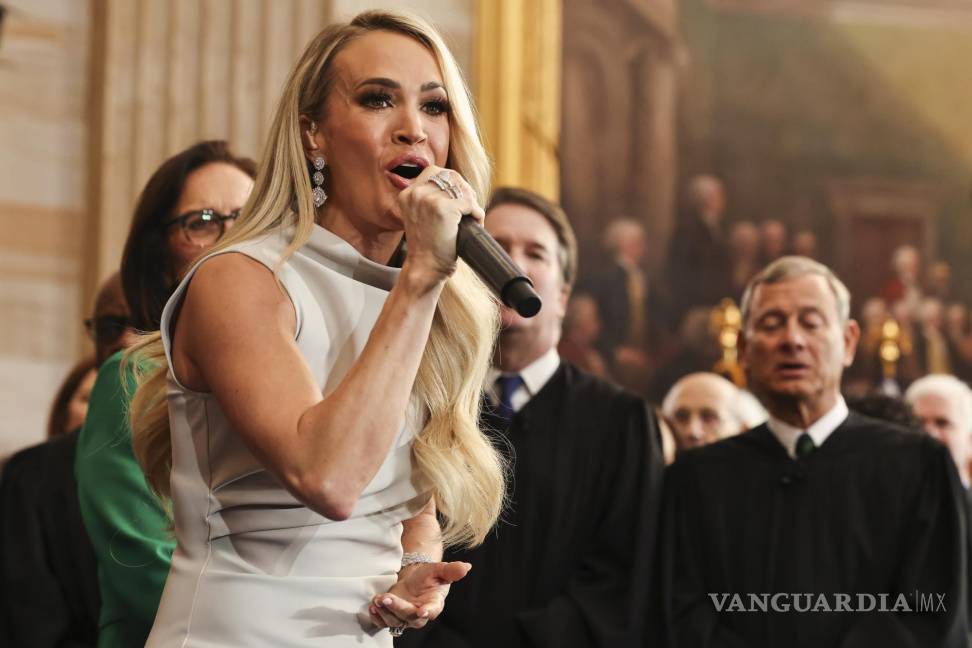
[494, 266]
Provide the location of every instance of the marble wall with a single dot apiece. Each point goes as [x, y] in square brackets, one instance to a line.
[44, 56]
[167, 74]
[455, 19]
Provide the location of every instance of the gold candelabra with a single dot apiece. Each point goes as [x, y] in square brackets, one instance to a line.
[725, 323]
[892, 344]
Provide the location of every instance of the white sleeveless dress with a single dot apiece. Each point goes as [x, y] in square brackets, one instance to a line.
[253, 566]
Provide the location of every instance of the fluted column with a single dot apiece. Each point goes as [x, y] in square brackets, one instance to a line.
[518, 72]
[167, 74]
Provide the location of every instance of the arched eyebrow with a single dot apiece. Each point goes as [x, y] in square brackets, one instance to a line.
[537, 246]
[395, 85]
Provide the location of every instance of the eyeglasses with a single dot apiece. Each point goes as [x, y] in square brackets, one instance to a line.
[203, 227]
[107, 328]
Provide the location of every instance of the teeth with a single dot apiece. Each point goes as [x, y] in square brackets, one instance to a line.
[408, 164]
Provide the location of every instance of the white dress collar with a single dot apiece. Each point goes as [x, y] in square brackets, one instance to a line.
[819, 430]
[535, 375]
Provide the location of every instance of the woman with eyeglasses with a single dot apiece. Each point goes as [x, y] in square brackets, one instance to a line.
[313, 407]
[185, 208]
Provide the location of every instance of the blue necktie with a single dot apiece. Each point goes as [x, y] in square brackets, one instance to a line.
[505, 386]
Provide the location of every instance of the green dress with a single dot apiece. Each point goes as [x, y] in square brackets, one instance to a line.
[127, 524]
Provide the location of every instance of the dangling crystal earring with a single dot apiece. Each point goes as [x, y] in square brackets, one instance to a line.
[319, 195]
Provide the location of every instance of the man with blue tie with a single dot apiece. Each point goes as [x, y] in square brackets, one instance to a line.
[569, 564]
[821, 528]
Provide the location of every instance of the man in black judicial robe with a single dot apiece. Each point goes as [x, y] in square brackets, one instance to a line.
[569, 563]
[816, 501]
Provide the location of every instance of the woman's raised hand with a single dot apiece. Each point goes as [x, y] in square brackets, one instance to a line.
[431, 208]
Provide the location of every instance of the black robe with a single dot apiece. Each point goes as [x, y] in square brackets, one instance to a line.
[569, 563]
[48, 570]
[875, 509]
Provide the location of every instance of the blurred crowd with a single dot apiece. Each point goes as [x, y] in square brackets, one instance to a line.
[647, 332]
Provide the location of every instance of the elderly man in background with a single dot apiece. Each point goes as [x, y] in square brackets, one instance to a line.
[698, 256]
[632, 307]
[703, 408]
[943, 404]
[794, 532]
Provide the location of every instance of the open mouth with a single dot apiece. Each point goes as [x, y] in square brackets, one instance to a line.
[407, 170]
[791, 367]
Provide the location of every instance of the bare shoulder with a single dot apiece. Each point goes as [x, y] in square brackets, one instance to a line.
[233, 308]
[233, 288]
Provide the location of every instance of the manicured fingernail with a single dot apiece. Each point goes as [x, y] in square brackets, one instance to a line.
[387, 601]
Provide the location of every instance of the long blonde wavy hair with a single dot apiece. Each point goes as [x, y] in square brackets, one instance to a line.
[464, 470]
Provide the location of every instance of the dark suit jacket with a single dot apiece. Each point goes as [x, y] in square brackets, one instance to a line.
[698, 266]
[48, 573]
[569, 563]
[610, 289]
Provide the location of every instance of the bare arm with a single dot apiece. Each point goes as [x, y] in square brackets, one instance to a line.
[422, 534]
[235, 338]
[419, 594]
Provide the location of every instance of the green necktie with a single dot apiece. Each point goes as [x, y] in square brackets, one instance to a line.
[804, 445]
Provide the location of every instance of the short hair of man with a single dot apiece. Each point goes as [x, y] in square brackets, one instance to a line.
[713, 381]
[948, 387]
[793, 267]
[554, 214]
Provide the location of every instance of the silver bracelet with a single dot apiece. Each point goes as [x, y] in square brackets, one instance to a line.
[414, 558]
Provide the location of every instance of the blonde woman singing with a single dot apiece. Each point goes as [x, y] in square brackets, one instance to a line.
[312, 408]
